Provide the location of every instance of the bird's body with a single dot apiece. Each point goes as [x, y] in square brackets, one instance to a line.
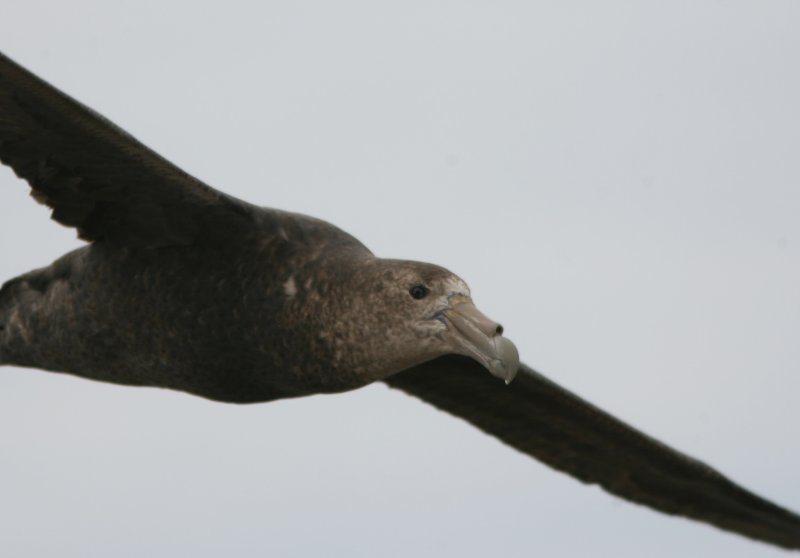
[183, 287]
[218, 320]
[263, 316]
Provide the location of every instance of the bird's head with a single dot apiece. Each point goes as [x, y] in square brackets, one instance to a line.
[411, 312]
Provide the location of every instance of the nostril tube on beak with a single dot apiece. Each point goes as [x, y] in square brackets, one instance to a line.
[478, 320]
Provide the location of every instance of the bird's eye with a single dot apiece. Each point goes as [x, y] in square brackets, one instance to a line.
[419, 291]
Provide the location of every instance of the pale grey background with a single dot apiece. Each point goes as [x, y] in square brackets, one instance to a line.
[619, 182]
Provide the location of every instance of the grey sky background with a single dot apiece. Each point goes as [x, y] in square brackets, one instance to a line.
[619, 183]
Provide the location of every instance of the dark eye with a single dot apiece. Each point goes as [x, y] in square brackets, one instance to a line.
[419, 291]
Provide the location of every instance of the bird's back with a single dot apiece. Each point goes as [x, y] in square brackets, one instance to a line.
[209, 319]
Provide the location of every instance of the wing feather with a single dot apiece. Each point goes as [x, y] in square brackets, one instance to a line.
[547, 422]
[99, 179]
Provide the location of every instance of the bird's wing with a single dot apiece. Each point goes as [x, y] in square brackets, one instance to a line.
[545, 421]
[99, 179]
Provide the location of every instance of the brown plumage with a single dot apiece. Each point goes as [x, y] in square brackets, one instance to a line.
[186, 288]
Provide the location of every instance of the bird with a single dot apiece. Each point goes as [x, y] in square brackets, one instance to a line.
[183, 287]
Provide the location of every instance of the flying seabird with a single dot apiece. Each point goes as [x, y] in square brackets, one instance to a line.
[183, 287]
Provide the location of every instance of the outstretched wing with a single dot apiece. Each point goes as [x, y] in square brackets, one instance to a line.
[547, 422]
[99, 179]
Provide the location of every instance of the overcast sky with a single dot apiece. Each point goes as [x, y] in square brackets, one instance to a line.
[618, 182]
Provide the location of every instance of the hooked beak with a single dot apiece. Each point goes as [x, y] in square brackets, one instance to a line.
[480, 338]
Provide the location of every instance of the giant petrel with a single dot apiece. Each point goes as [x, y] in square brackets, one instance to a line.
[183, 287]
